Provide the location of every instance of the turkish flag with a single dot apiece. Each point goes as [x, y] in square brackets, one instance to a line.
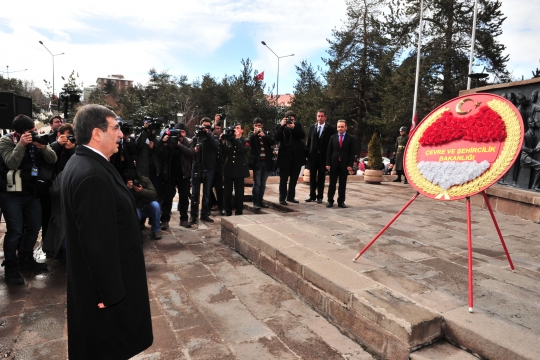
[260, 76]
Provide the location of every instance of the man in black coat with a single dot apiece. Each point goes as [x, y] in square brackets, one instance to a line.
[204, 169]
[108, 309]
[235, 170]
[318, 137]
[260, 160]
[339, 160]
[290, 156]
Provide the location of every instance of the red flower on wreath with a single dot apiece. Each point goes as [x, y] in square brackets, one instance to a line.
[484, 126]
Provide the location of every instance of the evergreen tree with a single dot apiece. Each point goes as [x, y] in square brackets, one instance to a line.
[446, 40]
[309, 94]
[360, 60]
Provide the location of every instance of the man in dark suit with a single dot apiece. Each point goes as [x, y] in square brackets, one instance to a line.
[108, 309]
[290, 156]
[339, 160]
[318, 137]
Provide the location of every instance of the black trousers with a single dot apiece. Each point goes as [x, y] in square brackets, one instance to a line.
[317, 169]
[336, 174]
[217, 198]
[288, 174]
[238, 184]
[169, 190]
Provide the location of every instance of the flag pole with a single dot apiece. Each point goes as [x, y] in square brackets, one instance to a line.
[417, 64]
[473, 39]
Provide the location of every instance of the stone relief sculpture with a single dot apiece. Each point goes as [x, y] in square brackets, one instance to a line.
[525, 173]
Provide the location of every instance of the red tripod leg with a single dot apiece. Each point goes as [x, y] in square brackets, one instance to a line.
[386, 227]
[469, 240]
[498, 230]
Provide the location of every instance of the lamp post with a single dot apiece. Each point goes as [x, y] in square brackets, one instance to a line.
[7, 71]
[41, 42]
[278, 57]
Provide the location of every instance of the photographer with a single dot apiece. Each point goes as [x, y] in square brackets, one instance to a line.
[216, 201]
[290, 156]
[21, 205]
[260, 160]
[234, 148]
[145, 197]
[204, 166]
[64, 146]
[149, 154]
[124, 159]
[177, 161]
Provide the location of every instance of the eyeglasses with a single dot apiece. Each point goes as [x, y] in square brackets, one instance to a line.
[115, 127]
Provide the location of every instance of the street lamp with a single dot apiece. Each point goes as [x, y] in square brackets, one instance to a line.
[278, 57]
[7, 71]
[41, 42]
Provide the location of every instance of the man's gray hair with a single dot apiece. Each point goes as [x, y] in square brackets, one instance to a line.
[87, 119]
[342, 121]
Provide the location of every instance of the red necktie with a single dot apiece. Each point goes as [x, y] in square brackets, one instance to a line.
[340, 140]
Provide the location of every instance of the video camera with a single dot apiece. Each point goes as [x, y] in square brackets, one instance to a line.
[200, 132]
[174, 136]
[155, 123]
[40, 139]
[126, 126]
[228, 133]
[221, 113]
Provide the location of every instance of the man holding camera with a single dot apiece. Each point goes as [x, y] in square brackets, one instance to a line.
[318, 138]
[148, 153]
[124, 159]
[260, 160]
[145, 199]
[22, 160]
[290, 156]
[177, 162]
[216, 201]
[204, 166]
[234, 148]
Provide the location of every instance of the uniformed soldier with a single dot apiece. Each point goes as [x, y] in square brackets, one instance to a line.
[401, 142]
[234, 170]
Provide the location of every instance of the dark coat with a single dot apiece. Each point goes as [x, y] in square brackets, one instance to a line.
[318, 146]
[235, 152]
[291, 147]
[55, 231]
[346, 152]
[177, 158]
[255, 142]
[148, 160]
[105, 262]
[206, 157]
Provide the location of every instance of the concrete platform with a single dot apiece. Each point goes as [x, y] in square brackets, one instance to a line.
[410, 289]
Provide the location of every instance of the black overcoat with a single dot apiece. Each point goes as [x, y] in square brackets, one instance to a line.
[291, 147]
[105, 262]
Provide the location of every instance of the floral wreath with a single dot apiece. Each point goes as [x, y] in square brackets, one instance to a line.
[509, 129]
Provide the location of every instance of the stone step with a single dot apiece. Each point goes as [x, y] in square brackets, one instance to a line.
[442, 350]
[385, 321]
[392, 315]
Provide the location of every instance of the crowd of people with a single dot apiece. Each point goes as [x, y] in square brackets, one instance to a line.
[155, 163]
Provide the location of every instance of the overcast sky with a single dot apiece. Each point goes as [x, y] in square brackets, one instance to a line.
[101, 38]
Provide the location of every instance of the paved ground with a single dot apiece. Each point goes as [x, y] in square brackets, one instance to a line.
[207, 302]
